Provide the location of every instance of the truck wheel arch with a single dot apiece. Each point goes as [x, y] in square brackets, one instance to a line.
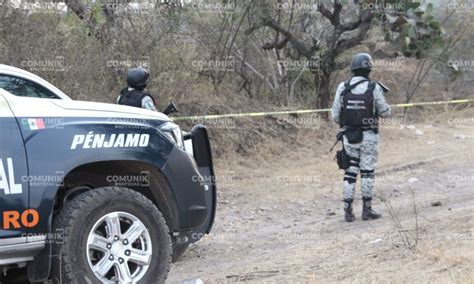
[95, 175]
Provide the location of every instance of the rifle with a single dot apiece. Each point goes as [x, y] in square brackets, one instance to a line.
[339, 138]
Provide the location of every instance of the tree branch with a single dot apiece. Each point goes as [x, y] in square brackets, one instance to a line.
[333, 17]
[276, 45]
[77, 7]
[326, 13]
[364, 27]
[351, 26]
[289, 37]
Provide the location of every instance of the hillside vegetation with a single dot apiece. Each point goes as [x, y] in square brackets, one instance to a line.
[217, 57]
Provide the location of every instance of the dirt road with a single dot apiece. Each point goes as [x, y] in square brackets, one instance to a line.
[282, 222]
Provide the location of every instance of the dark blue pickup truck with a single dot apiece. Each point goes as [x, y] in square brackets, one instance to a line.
[96, 193]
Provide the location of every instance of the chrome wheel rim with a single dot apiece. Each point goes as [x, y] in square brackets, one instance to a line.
[119, 248]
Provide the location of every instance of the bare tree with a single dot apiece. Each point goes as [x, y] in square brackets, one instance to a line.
[321, 53]
[297, 38]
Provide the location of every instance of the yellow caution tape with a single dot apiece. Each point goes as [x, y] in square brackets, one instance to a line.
[256, 114]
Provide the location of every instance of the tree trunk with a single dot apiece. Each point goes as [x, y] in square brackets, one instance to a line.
[322, 79]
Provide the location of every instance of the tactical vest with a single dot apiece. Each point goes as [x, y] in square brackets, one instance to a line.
[358, 109]
[132, 98]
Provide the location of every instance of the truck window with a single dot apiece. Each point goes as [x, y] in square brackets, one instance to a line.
[24, 88]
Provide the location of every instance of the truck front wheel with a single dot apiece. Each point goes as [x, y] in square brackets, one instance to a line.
[111, 235]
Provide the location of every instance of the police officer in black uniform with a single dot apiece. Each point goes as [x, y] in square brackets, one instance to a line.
[134, 94]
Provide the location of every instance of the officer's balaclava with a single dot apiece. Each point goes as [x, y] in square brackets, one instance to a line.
[362, 73]
[140, 88]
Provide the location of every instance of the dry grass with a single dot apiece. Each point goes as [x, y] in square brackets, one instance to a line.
[272, 225]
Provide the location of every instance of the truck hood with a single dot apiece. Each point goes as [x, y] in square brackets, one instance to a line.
[127, 111]
[40, 107]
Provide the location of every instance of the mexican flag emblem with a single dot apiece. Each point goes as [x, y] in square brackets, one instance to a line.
[35, 123]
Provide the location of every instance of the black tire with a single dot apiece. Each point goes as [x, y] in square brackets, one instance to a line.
[77, 218]
[178, 250]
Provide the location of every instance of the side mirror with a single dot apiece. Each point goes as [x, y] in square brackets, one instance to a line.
[171, 108]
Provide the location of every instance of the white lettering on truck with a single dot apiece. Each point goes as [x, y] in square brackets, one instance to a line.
[98, 141]
[8, 184]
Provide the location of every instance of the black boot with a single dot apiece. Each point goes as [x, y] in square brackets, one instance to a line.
[367, 212]
[349, 215]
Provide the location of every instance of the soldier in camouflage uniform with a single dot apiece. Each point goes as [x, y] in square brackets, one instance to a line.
[357, 106]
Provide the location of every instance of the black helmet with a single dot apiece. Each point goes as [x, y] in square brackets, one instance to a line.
[137, 77]
[362, 61]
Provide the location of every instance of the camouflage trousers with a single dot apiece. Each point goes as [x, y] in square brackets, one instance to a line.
[363, 159]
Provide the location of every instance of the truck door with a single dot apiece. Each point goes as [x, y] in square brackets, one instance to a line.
[15, 218]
